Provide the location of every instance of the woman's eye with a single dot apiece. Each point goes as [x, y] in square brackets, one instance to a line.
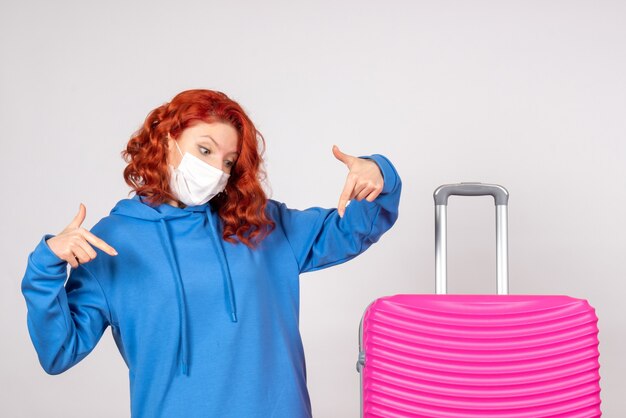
[230, 163]
[205, 149]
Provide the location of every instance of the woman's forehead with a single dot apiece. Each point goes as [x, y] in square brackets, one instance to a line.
[222, 135]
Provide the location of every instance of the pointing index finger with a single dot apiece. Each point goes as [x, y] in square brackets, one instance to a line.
[100, 243]
[345, 195]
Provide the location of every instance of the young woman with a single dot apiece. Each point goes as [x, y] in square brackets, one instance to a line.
[198, 273]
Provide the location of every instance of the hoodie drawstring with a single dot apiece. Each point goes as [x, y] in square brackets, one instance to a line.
[182, 306]
[183, 355]
[228, 281]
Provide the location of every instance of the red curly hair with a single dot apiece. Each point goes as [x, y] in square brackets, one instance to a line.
[242, 204]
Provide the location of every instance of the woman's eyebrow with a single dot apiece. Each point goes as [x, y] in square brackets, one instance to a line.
[216, 144]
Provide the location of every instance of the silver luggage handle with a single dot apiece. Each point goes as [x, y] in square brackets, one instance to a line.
[501, 199]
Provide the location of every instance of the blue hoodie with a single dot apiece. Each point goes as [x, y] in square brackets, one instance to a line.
[207, 328]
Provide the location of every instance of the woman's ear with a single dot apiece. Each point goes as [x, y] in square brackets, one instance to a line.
[171, 155]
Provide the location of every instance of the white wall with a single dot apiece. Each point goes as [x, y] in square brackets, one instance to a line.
[528, 94]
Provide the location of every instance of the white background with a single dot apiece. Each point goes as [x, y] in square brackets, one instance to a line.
[527, 94]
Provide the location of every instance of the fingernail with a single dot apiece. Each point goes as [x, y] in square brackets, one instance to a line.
[114, 252]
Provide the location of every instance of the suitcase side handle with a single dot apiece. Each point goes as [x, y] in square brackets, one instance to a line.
[501, 199]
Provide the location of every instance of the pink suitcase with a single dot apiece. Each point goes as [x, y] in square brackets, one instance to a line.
[507, 356]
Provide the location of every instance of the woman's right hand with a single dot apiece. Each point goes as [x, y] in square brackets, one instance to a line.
[72, 244]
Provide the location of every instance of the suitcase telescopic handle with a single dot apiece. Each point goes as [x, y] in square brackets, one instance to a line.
[501, 198]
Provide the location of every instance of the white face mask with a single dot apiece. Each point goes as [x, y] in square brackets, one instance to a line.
[195, 182]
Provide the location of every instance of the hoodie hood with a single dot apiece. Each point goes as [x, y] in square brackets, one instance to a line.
[138, 207]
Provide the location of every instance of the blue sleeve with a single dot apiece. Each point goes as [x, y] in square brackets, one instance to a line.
[65, 321]
[320, 238]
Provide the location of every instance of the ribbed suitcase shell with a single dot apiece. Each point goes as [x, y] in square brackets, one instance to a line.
[465, 356]
[507, 356]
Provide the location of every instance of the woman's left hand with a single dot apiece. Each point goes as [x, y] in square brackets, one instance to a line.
[365, 180]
